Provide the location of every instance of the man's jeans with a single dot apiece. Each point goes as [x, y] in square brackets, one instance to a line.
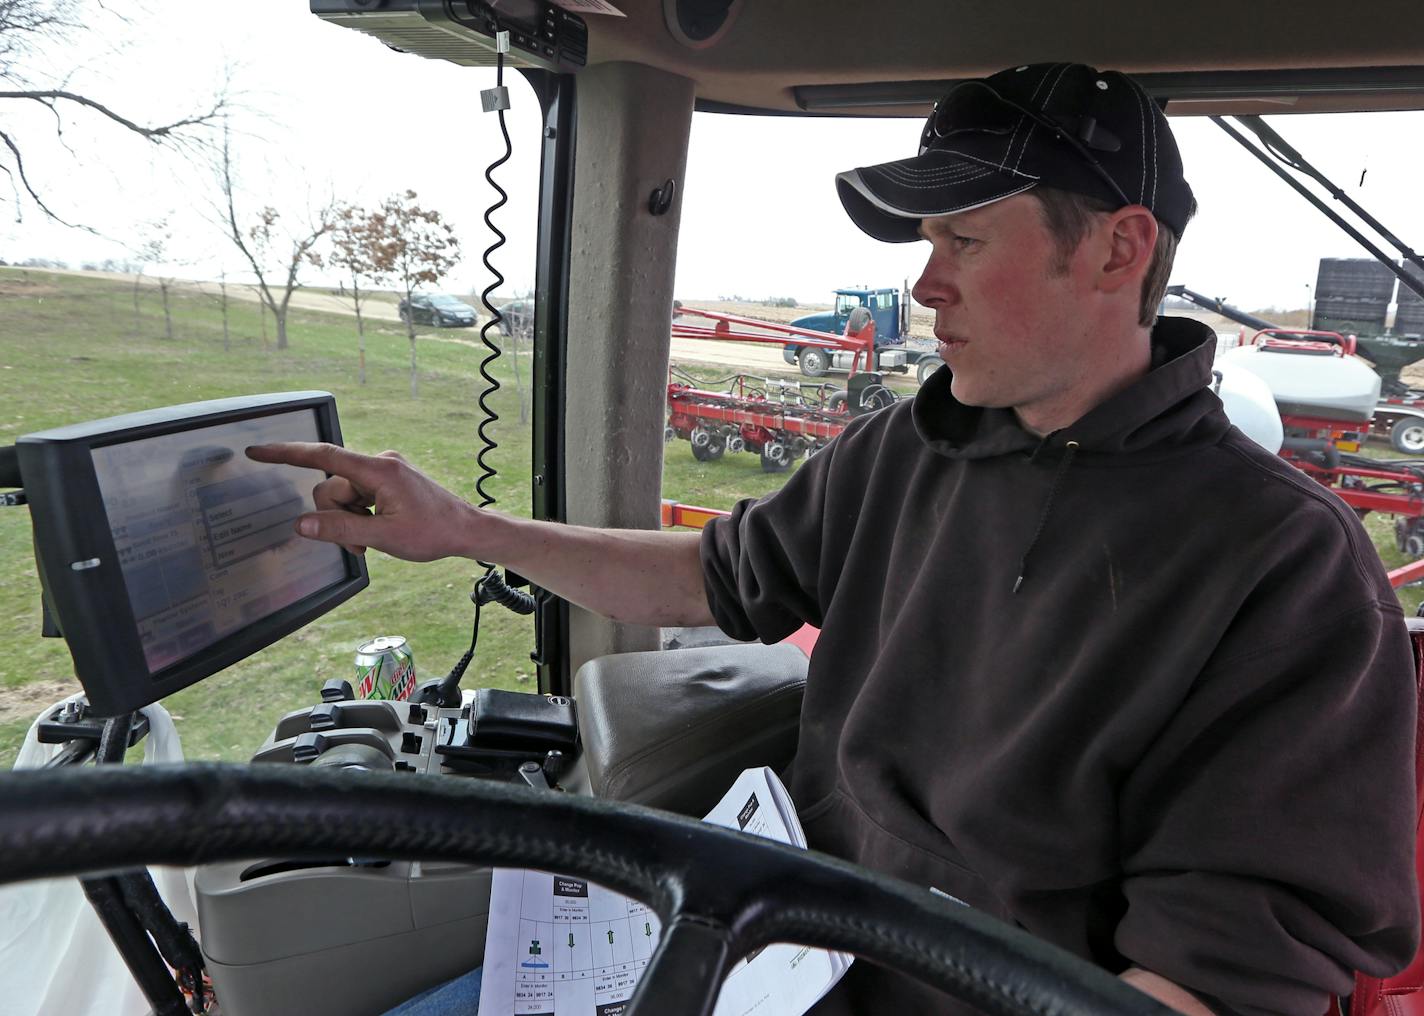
[460, 997]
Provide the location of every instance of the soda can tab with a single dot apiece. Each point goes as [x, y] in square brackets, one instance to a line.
[385, 669]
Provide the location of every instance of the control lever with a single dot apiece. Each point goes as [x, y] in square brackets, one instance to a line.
[326, 716]
[308, 746]
[533, 774]
[337, 690]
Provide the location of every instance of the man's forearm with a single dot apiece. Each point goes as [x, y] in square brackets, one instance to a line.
[633, 575]
[385, 503]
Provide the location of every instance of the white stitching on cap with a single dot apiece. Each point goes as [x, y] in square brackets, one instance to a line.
[982, 162]
[920, 172]
[1032, 125]
[1153, 116]
[1049, 97]
[1062, 70]
[981, 204]
[1012, 137]
[914, 175]
[1142, 189]
[1027, 138]
[1145, 103]
[939, 184]
[949, 170]
[1039, 87]
[1003, 163]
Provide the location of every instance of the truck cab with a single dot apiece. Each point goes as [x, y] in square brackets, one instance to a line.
[889, 308]
[883, 305]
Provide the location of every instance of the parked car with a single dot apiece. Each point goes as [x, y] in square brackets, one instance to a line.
[439, 310]
[516, 316]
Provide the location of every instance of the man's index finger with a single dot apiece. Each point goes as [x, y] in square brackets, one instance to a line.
[329, 458]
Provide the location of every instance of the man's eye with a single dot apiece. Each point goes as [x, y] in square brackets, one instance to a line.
[965, 242]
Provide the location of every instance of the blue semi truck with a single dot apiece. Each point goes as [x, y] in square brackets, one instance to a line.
[896, 351]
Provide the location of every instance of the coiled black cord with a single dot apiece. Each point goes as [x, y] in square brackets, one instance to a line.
[491, 417]
[491, 586]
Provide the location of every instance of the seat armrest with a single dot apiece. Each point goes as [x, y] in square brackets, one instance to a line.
[674, 729]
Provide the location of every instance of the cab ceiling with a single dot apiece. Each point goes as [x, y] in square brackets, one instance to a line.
[894, 58]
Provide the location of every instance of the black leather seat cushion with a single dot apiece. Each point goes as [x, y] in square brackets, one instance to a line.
[674, 729]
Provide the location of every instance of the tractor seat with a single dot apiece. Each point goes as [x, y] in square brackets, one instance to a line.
[673, 729]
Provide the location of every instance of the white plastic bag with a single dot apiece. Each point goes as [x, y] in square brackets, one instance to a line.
[55, 956]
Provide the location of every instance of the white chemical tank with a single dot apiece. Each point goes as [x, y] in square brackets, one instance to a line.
[1311, 379]
[1249, 404]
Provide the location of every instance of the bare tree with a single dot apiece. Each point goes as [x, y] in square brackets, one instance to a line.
[138, 313]
[420, 248]
[27, 29]
[357, 247]
[154, 251]
[221, 299]
[265, 246]
[222, 289]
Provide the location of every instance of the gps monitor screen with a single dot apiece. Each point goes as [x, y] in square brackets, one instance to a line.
[204, 536]
[165, 554]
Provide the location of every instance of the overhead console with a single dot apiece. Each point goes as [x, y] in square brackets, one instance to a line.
[463, 31]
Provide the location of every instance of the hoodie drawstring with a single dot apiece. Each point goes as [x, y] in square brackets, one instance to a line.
[1069, 449]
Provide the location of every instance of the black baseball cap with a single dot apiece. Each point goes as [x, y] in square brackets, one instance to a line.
[1062, 125]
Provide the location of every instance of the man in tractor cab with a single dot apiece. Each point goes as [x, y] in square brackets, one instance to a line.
[1178, 748]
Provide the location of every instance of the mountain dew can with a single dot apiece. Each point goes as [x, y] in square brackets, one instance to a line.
[385, 668]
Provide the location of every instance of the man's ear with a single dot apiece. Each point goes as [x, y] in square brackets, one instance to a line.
[1128, 239]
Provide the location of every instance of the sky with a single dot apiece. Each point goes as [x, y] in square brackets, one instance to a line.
[323, 112]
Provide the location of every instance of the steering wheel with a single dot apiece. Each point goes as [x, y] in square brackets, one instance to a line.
[719, 893]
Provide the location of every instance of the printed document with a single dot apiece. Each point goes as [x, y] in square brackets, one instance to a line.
[561, 946]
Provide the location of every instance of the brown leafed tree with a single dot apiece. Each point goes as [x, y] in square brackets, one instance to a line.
[420, 248]
[275, 255]
[358, 248]
[32, 32]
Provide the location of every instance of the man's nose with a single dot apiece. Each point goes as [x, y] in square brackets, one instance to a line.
[935, 286]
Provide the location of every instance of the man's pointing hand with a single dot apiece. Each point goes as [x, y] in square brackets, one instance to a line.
[378, 501]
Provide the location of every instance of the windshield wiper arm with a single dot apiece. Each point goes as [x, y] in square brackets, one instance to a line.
[1277, 149]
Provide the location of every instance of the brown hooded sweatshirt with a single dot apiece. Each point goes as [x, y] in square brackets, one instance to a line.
[1150, 699]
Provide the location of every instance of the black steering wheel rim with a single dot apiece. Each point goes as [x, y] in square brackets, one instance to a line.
[739, 894]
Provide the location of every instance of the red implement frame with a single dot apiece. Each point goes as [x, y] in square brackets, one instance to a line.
[734, 328]
[755, 416]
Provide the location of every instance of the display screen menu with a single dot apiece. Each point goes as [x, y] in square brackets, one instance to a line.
[205, 535]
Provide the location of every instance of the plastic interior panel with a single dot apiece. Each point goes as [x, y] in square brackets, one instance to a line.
[339, 941]
[275, 941]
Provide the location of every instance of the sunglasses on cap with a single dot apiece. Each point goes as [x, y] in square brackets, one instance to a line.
[976, 107]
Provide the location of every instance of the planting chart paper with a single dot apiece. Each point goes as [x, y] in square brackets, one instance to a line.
[562, 946]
